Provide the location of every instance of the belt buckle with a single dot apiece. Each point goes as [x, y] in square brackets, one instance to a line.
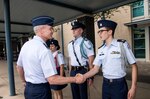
[110, 80]
[76, 68]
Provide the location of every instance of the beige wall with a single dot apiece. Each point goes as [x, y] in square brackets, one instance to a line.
[57, 32]
[122, 31]
[121, 18]
[67, 34]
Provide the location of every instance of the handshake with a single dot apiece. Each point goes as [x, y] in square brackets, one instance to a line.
[80, 78]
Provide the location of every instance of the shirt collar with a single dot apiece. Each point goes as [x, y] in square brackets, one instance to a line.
[39, 39]
[55, 53]
[78, 39]
[114, 42]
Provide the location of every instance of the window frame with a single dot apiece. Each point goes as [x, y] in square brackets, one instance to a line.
[135, 49]
[136, 6]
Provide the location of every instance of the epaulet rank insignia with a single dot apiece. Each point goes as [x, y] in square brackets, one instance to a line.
[87, 43]
[121, 40]
[85, 39]
[59, 52]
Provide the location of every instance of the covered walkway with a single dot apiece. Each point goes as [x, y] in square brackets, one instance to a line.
[16, 15]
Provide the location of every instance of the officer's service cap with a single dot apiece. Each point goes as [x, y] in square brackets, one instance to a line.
[77, 24]
[43, 20]
[53, 41]
[107, 23]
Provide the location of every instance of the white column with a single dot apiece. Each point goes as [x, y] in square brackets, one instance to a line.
[147, 46]
[146, 9]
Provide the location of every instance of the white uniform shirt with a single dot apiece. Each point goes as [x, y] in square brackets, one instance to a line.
[37, 61]
[111, 61]
[87, 48]
[60, 58]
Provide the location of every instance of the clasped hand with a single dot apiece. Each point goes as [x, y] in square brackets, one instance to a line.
[80, 78]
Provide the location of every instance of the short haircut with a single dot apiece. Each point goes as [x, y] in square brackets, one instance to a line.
[36, 28]
[113, 31]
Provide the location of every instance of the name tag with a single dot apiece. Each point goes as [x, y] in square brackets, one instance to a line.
[115, 52]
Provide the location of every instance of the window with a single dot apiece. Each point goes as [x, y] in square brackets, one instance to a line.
[138, 9]
[139, 42]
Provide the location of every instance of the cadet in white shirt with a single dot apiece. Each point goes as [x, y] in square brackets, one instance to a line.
[112, 57]
[81, 55]
[59, 62]
[35, 63]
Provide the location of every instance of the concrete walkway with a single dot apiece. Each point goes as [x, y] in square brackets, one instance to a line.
[143, 90]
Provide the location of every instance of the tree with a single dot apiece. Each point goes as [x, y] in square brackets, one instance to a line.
[107, 14]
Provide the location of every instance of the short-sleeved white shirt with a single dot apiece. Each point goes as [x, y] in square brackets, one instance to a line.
[60, 58]
[87, 48]
[37, 61]
[110, 58]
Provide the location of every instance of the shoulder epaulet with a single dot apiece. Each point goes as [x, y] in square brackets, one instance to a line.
[71, 41]
[59, 52]
[121, 40]
[85, 39]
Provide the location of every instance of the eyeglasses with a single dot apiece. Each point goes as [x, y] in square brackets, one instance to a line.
[100, 31]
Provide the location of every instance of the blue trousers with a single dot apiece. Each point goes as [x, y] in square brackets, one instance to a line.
[115, 89]
[79, 91]
[37, 91]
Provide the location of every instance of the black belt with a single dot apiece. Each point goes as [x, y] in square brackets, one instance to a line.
[40, 84]
[74, 68]
[114, 80]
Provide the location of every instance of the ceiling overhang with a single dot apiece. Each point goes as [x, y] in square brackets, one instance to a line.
[22, 11]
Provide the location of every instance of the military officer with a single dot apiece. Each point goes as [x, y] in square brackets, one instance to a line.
[35, 63]
[111, 57]
[81, 56]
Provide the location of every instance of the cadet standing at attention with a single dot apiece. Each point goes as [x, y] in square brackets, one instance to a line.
[113, 56]
[59, 62]
[81, 57]
[35, 63]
